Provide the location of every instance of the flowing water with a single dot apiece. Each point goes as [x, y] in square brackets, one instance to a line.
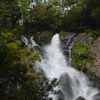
[72, 82]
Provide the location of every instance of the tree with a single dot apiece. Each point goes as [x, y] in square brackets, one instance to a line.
[16, 81]
[15, 12]
[1, 13]
[44, 16]
[81, 15]
[91, 8]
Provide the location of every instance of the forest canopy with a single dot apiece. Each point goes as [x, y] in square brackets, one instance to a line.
[39, 15]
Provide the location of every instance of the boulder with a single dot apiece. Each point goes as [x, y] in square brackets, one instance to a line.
[80, 98]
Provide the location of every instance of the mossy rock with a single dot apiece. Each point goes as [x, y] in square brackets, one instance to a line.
[43, 38]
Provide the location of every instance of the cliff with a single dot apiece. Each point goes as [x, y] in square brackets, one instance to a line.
[86, 55]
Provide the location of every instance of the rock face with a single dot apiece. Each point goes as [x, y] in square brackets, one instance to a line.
[96, 53]
[66, 45]
[94, 48]
[82, 38]
[80, 98]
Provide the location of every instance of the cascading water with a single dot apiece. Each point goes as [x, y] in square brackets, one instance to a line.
[72, 82]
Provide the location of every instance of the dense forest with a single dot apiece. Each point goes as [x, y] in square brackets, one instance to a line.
[35, 17]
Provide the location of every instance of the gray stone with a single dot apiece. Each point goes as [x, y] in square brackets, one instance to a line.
[80, 98]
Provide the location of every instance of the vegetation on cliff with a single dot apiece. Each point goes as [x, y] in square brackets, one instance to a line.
[85, 56]
[81, 56]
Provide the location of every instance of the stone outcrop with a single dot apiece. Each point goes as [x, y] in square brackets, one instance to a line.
[94, 48]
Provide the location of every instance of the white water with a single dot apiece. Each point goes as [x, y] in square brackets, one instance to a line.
[73, 83]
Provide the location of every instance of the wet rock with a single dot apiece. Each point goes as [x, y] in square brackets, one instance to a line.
[65, 82]
[80, 98]
[97, 97]
[68, 40]
[66, 45]
[70, 35]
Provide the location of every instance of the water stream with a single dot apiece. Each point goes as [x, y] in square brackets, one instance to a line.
[73, 83]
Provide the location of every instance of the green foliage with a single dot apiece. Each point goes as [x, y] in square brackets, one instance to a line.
[1, 13]
[44, 16]
[82, 15]
[93, 33]
[81, 55]
[15, 13]
[47, 15]
[93, 9]
[62, 34]
[37, 90]
[54, 2]
[15, 79]
[71, 23]
[91, 73]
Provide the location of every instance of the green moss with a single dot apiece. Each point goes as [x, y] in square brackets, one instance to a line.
[93, 33]
[81, 56]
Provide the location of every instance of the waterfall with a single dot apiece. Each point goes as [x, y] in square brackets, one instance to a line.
[73, 83]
